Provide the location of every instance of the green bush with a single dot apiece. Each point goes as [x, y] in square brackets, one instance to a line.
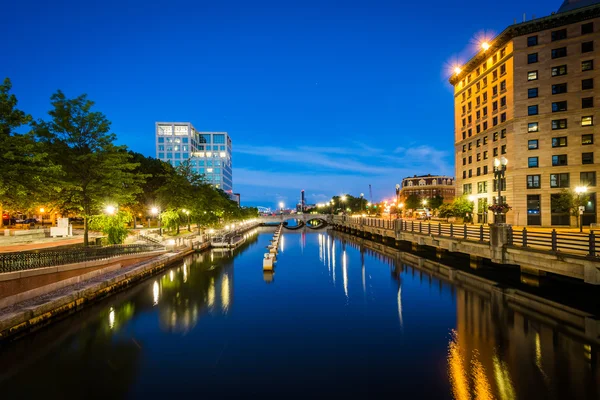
[113, 226]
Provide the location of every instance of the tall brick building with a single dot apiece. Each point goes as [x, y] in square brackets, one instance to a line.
[531, 95]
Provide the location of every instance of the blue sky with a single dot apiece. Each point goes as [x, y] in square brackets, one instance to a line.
[326, 96]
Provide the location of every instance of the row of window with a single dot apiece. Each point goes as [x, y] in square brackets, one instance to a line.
[586, 140]
[479, 70]
[561, 70]
[560, 88]
[483, 85]
[560, 160]
[558, 124]
[562, 180]
[560, 106]
[561, 34]
[484, 140]
[586, 47]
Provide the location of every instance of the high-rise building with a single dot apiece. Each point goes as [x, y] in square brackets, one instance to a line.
[209, 153]
[532, 95]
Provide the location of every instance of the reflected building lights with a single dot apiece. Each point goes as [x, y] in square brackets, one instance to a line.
[483, 390]
[328, 254]
[111, 318]
[171, 275]
[345, 272]
[185, 273]
[364, 271]
[459, 380]
[225, 295]
[400, 307]
[505, 386]
[333, 259]
[282, 243]
[155, 292]
[211, 293]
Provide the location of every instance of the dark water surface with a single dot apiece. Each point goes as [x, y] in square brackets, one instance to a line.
[338, 319]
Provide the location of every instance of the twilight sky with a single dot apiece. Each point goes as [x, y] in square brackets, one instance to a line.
[326, 96]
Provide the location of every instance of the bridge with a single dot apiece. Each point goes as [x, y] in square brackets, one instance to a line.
[536, 252]
[310, 221]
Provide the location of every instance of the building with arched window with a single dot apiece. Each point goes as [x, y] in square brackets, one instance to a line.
[428, 186]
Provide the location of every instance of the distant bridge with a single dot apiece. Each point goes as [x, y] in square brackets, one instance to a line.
[311, 221]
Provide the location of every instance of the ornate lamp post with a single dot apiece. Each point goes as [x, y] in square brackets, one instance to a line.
[579, 190]
[499, 172]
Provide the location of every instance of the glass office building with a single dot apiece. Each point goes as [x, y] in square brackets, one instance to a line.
[209, 153]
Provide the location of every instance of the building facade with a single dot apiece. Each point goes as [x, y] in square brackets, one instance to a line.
[531, 96]
[209, 153]
[428, 186]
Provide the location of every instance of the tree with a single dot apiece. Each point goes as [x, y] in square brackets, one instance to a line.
[114, 226]
[435, 202]
[24, 167]
[445, 211]
[569, 202]
[96, 171]
[461, 206]
[412, 202]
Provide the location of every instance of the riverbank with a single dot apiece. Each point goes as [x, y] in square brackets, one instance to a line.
[26, 316]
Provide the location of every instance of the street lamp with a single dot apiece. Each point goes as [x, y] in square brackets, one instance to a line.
[499, 172]
[361, 201]
[579, 190]
[187, 212]
[281, 205]
[342, 200]
[110, 210]
[42, 213]
[156, 211]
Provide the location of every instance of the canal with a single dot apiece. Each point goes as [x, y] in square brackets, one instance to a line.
[340, 318]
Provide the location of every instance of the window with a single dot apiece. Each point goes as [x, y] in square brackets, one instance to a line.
[470, 146]
[559, 70]
[586, 47]
[533, 181]
[495, 121]
[485, 155]
[559, 88]
[484, 82]
[470, 159]
[559, 35]
[559, 141]
[587, 158]
[503, 69]
[532, 144]
[161, 140]
[482, 187]
[587, 139]
[464, 161]
[478, 128]
[559, 106]
[464, 148]
[532, 110]
[464, 135]
[533, 127]
[478, 156]
[587, 84]
[587, 28]
[478, 114]
[495, 137]
[470, 132]
[587, 65]
[503, 52]
[494, 90]
[532, 93]
[587, 178]
[532, 162]
[559, 124]
[470, 173]
[495, 75]
[532, 58]
[559, 160]
[478, 171]
[495, 151]
[502, 133]
[478, 142]
[502, 86]
[464, 174]
[467, 188]
[559, 53]
[503, 149]
[532, 41]
[161, 155]
[485, 168]
[587, 102]
[502, 117]
[485, 139]
[532, 76]
[559, 180]
[503, 101]
[502, 184]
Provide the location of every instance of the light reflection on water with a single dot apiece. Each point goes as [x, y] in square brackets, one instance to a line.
[392, 323]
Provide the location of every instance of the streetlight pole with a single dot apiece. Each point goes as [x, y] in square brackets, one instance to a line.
[362, 195]
[499, 172]
[156, 211]
[397, 198]
[281, 205]
[579, 190]
[343, 200]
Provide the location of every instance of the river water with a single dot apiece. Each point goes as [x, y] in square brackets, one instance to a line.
[338, 319]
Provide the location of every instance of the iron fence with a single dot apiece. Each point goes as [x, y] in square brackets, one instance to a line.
[566, 242]
[21, 261]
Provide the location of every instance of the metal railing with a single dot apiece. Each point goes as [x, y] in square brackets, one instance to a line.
[566, 242]
[478, 233]
[21, 261]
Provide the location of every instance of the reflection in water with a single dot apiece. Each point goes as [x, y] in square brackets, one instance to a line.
[345, 271]
[363, 270]
[282, 243]
[506, 391]
[456, 370]
[155, 290]
[211, 293]
[225, 293]
[111, 318]
[400, 306]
